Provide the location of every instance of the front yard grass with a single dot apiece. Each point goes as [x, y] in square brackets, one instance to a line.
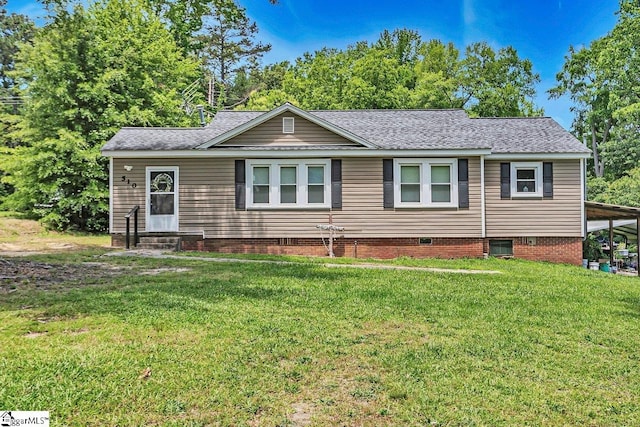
[19, 234]
[271, 344]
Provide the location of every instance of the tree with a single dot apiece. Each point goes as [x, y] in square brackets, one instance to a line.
[88, 73]
[267, 83]
[403, 45]
[602, 80]
[15, 29]
[623, 191]
[229, 50]
[581, 79]
[183, 18]
[317, 80]
[400, 70]
[497, 84]
[437, 76]
[378, 81]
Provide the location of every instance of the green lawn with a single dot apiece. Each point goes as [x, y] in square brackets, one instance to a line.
[18, 234]
[271, 344]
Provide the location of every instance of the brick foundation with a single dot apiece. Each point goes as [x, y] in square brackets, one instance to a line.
[566, 250]
[554, 249]
[117, 240]
[383, 248]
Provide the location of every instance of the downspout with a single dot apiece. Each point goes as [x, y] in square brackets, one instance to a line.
[583, 198]
[482, 199]
[110, 195]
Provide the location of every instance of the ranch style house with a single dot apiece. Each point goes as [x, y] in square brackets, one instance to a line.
[420, 183]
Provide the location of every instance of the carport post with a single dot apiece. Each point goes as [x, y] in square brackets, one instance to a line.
[611, 242]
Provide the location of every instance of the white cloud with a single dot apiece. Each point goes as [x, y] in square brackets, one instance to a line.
[468, 12]
[482, 22]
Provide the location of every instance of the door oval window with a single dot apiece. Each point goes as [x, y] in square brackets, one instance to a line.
[162, 182]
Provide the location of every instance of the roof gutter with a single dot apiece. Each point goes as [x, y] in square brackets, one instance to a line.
[291, 153]
[537, 156]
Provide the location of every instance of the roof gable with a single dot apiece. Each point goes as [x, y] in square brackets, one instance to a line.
[291, 110]
[272, 133]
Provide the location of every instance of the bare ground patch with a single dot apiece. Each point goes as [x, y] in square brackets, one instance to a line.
[156, 271]
[301, 415]
[18, 273]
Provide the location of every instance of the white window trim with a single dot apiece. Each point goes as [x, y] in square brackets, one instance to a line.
[425, 182]
[302, 167]
[537, 166]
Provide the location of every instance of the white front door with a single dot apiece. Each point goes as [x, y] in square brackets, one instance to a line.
[162, 199]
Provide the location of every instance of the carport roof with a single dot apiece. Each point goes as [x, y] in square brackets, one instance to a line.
[595, 210]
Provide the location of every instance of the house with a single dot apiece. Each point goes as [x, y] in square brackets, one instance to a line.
[421, 183]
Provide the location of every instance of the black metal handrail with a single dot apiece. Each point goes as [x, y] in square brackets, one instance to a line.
[134, 211]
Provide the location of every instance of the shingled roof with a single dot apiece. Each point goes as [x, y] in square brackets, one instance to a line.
[383, 129]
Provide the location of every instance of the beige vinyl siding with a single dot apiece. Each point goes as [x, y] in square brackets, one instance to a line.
[559, 216]
[363, 215]
[124, 196]
[207, 204]
[270, 133]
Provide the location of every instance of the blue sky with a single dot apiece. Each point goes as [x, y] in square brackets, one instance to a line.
[540, 30]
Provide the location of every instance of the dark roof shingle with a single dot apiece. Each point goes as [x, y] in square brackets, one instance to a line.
[386, 129]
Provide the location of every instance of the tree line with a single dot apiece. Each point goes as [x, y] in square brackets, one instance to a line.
[92, 68]
[400, 70]
[603, 81]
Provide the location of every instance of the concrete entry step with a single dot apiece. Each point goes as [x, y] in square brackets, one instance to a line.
[169, 243]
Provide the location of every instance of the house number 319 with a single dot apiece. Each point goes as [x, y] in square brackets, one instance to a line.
[128, 181]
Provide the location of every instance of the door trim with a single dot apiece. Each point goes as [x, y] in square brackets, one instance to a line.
[176, 196]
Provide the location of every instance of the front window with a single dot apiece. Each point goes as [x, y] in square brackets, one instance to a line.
[526, 179]
[410, 183]
[316, 182]
[288, 187]
[425, 182]
[441, 183]
[288, 183]
[261, 184]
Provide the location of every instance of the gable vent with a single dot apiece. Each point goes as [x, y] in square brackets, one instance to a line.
[287, 125]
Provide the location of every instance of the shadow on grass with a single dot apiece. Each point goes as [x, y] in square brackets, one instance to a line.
[632, 305]
[204, 288]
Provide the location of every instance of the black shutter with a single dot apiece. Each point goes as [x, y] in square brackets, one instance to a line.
[505, 180]
[336, 184]
[387, 183]
[463, 183]
[240, 185]
[547, 180]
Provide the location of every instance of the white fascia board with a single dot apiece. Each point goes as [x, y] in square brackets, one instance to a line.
[538, 156]
[277, 111]
[257, 154]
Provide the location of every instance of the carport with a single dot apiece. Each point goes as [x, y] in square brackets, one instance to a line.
[602, 211]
